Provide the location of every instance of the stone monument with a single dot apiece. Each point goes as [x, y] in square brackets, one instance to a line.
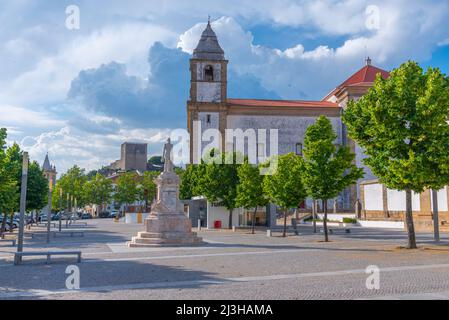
[167, 225]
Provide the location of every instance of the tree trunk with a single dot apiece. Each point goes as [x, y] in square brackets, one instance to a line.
[296, 220]
[436, 223]
[11, 229]
[254, 220]
[230, 218]
[2, 229]
[409, 220]
[284, 234]
[326, 236]
[314, 208]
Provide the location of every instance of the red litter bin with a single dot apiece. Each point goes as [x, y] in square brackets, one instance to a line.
[217, 224]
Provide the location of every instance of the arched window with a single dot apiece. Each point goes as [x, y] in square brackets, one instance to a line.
[209, 73]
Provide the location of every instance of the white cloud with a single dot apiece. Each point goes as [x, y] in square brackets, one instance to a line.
[69, 146]
[50, 79]
[17, 116]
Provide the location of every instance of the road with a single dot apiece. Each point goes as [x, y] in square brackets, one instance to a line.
[232, 265]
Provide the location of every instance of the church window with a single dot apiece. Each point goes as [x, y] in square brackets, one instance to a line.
[298, 149]
[209, 73]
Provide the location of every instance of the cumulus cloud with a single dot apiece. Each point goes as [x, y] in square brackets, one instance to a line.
[80, 94]
[158, 101]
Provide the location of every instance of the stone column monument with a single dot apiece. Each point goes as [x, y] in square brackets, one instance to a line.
[167, 225]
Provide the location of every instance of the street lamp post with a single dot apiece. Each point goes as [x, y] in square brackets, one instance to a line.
[23, 192]
[67, 213]
[60, 208]
[50, 189]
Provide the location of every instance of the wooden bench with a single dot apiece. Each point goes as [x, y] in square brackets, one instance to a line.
[78, 224]
[334, 230]
[42, 233]
[44, 224]
[12, 241]
[71, 233]
[18, 255]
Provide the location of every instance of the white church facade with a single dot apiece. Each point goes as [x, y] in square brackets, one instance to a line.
[209, 107]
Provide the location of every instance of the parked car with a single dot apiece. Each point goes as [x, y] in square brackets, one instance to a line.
[114, 214]
[86, 216]
[7, 225]
[104, 214]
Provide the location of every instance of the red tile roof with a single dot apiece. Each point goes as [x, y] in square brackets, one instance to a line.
[280, 103]
[366, 74]
[363, 77]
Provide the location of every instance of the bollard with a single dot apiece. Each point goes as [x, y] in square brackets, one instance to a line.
[199, 224]
[233, 228]
[269, 234]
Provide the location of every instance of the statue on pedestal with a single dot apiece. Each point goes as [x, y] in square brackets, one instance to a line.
[167, 225]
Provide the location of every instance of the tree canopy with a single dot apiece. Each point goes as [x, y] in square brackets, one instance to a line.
[328, 170]
[284, 185]
[402, 125]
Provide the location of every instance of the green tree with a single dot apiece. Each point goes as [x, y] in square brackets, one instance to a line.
[402, 124]
[8, 185]
[328, 170]
[218, 180]
[283, 184]
[126, 190]
[37, 188]
[13, 165]
[147, 188]
[98, 191]
[250, 193]
[190, 177]
[71, 183]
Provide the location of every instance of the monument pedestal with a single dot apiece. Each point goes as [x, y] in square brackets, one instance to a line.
[166, 230]
[167, 225]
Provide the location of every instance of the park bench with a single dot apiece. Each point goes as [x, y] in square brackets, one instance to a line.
[44, 224]
[336, 230]
[69, 233]
[78, 224]
[12, 241]
[41, 233]
[18, 255]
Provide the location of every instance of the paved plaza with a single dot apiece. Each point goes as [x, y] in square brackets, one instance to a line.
[231, 265]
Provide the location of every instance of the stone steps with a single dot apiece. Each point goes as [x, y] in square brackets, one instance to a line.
[156, 242]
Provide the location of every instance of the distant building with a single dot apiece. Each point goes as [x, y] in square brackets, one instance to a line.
[133, 157]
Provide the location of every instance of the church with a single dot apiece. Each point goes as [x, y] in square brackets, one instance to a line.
[210, 106]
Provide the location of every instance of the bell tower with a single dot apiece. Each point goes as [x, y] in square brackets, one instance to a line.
[208, 70]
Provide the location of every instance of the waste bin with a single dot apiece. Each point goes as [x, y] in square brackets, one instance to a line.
[217, 224]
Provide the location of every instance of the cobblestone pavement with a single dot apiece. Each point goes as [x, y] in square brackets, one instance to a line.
[232, 265]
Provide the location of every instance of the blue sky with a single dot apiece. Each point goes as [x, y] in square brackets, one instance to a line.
[123, 76]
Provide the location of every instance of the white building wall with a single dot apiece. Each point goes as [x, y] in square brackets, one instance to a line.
[442, 200]
[291, 129]
[373, 197]
[396, 200]
[221, 213]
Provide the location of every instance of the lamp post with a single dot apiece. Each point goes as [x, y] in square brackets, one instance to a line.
[436, 226]
[60, 208]
[50, 190]
[23, 192]
[67, 213]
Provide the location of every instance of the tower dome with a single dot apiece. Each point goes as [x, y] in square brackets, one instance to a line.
[208, 47]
